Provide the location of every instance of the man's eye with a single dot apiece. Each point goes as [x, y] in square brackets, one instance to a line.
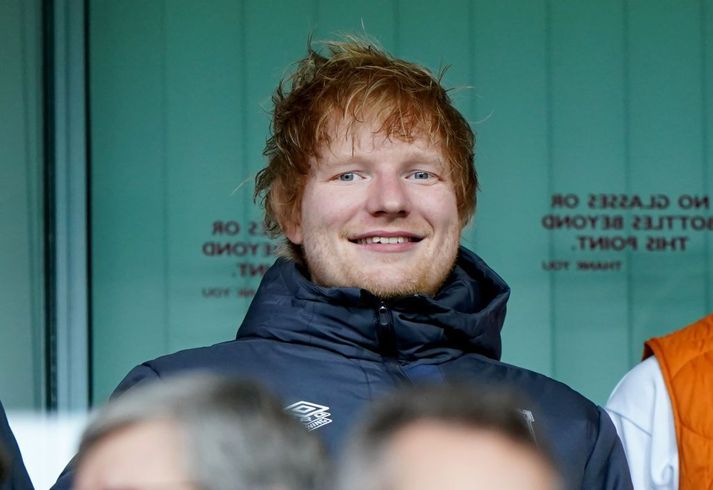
[347, 177]
[421, 175]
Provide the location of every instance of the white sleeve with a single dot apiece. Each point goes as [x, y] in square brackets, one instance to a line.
[641, 410]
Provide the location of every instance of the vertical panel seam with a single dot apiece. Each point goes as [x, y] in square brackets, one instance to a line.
[549, 141]
[164, 179]
[626, 112]
[244, 154]
[397, 33]
[473, 99]
[705, 160]
[315, 14]
[86, 22]
[49, 191]
[60, 198]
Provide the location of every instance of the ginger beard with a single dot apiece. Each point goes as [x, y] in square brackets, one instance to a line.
[378, 213]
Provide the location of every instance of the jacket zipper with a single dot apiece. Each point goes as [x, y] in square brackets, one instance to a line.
[387, 343]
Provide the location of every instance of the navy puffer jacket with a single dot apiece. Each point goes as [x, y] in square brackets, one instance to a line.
[329, 352]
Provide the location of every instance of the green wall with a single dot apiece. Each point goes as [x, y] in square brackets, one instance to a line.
[21, 263]
[568, 97]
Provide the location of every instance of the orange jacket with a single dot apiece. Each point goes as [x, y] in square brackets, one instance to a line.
[686, 361]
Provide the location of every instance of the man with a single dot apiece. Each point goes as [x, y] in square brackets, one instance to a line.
[452, 437]
[13, 474]
[370, 180]
[662, 408]
[198, 433]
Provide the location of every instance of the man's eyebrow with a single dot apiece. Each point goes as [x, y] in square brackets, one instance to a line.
[425, 155]
[416, 157]
[426, 158]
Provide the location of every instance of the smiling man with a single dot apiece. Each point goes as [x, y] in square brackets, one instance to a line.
[369, 181]
[378, 212]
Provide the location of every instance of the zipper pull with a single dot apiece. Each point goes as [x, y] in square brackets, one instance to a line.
[384, 316]
[385, 331]
[387, 343]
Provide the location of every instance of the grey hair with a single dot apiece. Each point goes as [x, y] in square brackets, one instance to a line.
[363, 465]
[237, 436]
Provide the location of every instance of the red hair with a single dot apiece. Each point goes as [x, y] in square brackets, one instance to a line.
[354, 82]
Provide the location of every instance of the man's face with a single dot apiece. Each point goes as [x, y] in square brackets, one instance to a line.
[144, 456]
[427, 455]
[378, 214]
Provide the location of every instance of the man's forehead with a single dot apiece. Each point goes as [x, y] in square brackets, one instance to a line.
[352, 138]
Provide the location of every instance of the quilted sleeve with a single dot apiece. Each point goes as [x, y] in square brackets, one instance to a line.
[606, 467]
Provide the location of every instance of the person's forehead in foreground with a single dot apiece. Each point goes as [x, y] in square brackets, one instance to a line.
[387, 131]
[142, 456]
[428, 455]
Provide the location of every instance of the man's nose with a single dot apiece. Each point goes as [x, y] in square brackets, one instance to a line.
[388, 195]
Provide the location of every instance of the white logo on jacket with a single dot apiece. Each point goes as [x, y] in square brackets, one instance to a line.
[312, 415]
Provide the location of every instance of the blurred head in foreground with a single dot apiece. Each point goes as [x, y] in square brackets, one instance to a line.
[446, 437]
[197, 433]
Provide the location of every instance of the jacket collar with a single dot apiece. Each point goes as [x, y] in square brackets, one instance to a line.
[466, 315]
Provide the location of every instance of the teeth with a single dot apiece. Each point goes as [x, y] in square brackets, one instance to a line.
[383, 239]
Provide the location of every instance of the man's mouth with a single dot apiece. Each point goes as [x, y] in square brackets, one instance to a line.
[384, 240]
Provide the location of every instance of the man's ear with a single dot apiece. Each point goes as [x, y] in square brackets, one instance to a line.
[293, 231]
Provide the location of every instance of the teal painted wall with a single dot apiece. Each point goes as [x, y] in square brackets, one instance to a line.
[567, 97]
[21, 198]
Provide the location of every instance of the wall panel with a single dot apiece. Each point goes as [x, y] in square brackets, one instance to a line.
[510, 79]
[128, 178]
[22, 368]
[666, 149]
[376, 19]
[567, 98]
[419, 24]
[587, 156]
[204, 165]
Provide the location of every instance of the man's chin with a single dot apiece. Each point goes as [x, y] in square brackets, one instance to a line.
[384, 279]
[390, 289]
[391, 293]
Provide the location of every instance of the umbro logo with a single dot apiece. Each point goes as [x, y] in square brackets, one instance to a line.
[312, 415]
